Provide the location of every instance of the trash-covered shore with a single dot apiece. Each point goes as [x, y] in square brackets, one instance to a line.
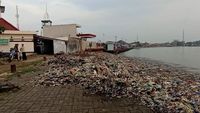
[161, 88]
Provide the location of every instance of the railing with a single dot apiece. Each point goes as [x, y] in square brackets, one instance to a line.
[21, 40]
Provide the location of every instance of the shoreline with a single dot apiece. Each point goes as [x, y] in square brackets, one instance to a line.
[183, 60]
[161, 88]
[167, 65]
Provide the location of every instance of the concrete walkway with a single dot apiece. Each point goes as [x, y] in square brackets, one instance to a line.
[64, 100]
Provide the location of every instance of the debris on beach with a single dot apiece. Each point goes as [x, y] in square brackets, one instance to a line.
[6, 87]
[160, 87]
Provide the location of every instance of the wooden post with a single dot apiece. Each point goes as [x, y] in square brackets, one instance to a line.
[45, 58]
[13, 68]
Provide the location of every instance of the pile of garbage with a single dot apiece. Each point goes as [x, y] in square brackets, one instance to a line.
[160, 87]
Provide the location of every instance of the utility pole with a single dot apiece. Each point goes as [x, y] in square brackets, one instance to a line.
[46, 15]
[115, 43]
[17, 16]
[115, 39]
[103, 35]
[183, 38]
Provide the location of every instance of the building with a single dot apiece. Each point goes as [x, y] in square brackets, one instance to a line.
[11, 36]
[68, 38]
[65, 30]
[62, 38]
[45, 45]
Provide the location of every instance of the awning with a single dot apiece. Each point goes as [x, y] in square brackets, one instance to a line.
[86, 35]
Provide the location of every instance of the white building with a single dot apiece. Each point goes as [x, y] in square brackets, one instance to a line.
[10, 38]
[63, 38]
[57, 31]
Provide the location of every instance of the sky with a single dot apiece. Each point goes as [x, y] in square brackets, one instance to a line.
[153, 20]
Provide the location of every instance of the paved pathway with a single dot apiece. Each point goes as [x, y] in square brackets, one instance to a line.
[64, 100]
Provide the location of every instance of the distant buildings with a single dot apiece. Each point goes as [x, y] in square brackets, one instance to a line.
[110, 46]
[177, 43]
[122, 45]
[194, 43]
[135, 44]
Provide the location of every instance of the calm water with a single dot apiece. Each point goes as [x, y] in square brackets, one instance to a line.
[182, 57]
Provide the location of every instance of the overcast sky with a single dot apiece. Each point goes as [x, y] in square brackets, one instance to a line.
[153, 20]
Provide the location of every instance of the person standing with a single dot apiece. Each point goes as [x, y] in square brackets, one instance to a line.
[12, 54]
[20, 53]
[16, 48]
[24, 57]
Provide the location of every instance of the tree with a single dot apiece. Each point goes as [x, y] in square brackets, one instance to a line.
[2, 29]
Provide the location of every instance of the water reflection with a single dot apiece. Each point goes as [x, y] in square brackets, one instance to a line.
[180, 56]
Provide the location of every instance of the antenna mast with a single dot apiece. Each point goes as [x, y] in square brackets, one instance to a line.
[46, 15]
[46, 20]
[2, 9]
[17, 16]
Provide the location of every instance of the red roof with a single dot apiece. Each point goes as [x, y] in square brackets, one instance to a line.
[7, 25]
[86, 35]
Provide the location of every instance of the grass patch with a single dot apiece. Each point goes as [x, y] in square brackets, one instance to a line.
[27, 68]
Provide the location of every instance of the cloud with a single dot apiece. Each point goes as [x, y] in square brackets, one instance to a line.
[154, 20]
